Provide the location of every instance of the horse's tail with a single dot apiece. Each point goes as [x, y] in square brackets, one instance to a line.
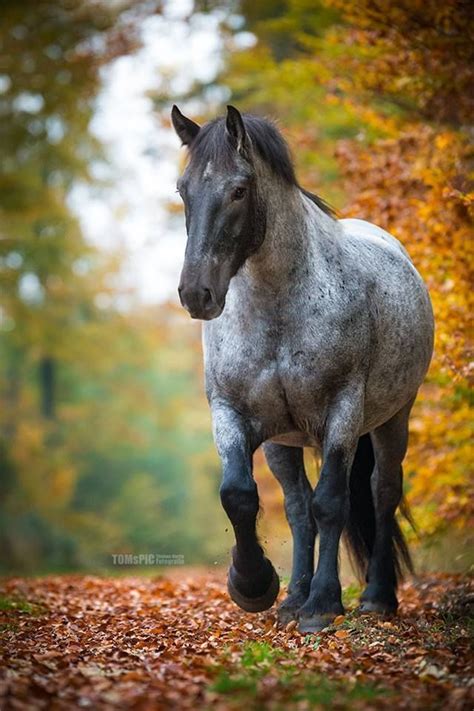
[360, 528]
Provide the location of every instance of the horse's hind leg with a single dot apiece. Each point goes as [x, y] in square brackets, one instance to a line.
[390, 444]
[287, 465]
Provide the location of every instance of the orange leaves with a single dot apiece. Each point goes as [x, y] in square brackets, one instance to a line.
[136, 643]
[291, 626]
[389, 91]
[418, 55]
[416, 180]
[417, 187]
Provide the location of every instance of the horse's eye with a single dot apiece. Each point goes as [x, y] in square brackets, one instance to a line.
[238, 193]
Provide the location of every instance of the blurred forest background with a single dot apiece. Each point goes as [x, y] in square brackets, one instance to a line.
[105, 442]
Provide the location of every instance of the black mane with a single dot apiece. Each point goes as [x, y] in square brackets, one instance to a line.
[212, 143]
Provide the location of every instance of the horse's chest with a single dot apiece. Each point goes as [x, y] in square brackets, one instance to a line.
[245, 370]
[266, 375]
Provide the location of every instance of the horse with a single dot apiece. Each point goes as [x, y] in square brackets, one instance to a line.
[317, 332]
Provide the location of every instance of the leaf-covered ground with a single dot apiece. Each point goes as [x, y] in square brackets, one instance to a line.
[135, 643]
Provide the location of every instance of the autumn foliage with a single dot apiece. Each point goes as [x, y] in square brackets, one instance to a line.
[418, 183]
[388, 89]
[105, 440]
[95, 434]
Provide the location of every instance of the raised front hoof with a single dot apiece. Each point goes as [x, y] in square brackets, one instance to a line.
[375, 607]
[316, 623]
[255, 604]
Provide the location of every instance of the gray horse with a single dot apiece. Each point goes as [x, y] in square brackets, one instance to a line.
[318, 333]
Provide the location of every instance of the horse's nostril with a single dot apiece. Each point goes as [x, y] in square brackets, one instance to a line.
[198, 300]
[207, 298]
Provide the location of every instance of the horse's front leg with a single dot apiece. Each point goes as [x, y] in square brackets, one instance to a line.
[331, 508]
[252, 581]
[287, 464]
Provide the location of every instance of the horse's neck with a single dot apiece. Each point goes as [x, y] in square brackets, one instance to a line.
[299, 238]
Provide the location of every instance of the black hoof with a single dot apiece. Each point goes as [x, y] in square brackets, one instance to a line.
[286, 615]
[255, 604]
[316, 623]
[379, 608]
[289, 608]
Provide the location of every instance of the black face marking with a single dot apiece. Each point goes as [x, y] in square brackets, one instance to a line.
[225, 219]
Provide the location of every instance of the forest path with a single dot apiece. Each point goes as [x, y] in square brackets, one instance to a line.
[70, 642]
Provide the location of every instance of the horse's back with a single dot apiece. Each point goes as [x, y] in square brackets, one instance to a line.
[367, 230]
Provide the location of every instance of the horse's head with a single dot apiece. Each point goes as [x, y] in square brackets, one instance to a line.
[225, 218]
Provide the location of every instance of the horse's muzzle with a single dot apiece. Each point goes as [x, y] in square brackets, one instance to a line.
[200, 302]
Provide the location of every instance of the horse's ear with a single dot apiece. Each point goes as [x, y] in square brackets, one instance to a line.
[235, 129]
[186, 129]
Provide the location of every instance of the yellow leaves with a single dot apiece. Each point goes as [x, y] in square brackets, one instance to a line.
[467, 198]
[61, 487]
[417, 186]
[46, 476]
[440, 455]
[29, 438]
[443, 141]
[421, 68]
